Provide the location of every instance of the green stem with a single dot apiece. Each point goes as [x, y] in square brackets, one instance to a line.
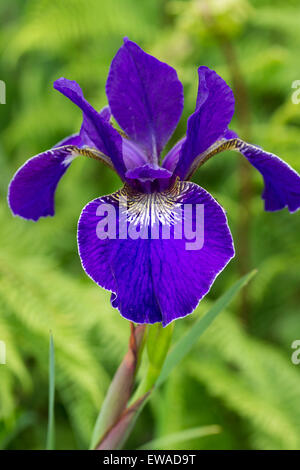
[158, 340]
[120, 388]
[116, 419]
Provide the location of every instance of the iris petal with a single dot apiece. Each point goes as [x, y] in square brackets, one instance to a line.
[145, 97]
[31, 191]
[133, 156]
[282, 183]
[103, 136]
[154, 279]
[209, 122]
[148, 172]
[171, 159]
[87, 130]
[149, 178]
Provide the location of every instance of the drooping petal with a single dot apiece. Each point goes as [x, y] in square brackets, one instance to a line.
[282, 183]
[209, 122]
[155, 276]
[145, 97]
[103, 136]
[31, 191]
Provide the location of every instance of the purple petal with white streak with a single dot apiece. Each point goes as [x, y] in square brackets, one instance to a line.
[154, 279]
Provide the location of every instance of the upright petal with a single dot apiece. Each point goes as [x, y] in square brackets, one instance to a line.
[87, 129]
[171, 159]
[145, 97]
[132, 154]
[103, 136]
[105, 113]
[154, 277]
[209, 122]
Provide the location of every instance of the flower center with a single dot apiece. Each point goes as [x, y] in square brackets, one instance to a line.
[147, 209]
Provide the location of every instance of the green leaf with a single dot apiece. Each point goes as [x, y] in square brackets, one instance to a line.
[50, 433]
[182, 436]
[186, 343]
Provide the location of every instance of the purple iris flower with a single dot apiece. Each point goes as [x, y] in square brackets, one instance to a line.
[151, 279]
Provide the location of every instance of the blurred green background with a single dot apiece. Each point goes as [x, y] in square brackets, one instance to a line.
[240, 376]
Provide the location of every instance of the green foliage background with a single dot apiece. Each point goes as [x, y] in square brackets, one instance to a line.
[240, 376]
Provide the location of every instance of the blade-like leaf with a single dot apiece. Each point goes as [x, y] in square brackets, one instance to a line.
[182, 436]
[186, 343]
[50, 432]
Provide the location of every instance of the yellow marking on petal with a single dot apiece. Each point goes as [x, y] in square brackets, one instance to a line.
[89, 152]
[147, 209]
[217, 147]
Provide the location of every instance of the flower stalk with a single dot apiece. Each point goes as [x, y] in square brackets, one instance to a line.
[120, 388]
[116, 420]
